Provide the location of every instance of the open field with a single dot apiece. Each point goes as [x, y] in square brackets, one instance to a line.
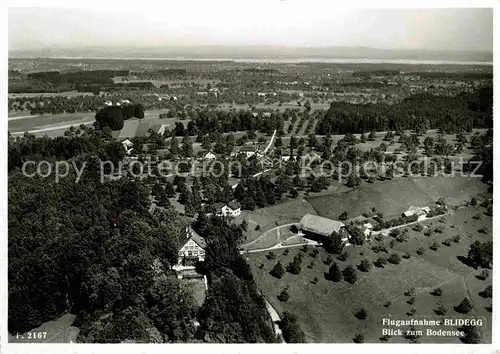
[50, 94]
[50, 121]
[393, 197]
[197, 286]
[454, 190]
[389, 197]
[172, 83]
[57, 124]
[284, 213]
[326, 309]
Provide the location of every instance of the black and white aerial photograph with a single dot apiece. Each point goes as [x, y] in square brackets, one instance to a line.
[278, 171]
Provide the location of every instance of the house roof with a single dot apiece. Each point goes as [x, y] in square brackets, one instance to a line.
[416, 210]
[409, 213]
[162, 128]
[320, 225]
[193, 235]
[248, 148]
[233, 205]
[219, 206]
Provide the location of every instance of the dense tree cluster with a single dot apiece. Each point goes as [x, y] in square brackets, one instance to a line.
[418, 112]
[292, 333]
[234, 311]
[481, 254]
[87, 142]
[66, 255]
[114, 116]
[232, 121]
[55, 81]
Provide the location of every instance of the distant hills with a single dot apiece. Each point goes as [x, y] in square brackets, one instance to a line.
[254, 52]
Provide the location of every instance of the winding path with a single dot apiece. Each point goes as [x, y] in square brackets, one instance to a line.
[410, 223]
[267, 232]
[275, 317]
[270, 142]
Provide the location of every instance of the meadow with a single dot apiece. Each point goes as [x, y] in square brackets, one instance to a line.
[326, 309]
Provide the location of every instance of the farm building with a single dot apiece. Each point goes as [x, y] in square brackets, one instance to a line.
[127, 145]
[209, 156]
[231, 209]
[248, 150]
[193, 249]
[285, 157]
[259, 154]
[317, 227]
[218, 207]
[420, 212]
[161, 131]
[367, 229]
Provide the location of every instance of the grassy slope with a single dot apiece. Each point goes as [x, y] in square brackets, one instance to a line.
[389, 197]
[326, 309]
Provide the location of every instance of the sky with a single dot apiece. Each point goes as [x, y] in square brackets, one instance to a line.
[235, 22]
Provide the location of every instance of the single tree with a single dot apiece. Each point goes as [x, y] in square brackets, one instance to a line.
[394, 258]
[437, 292]
[471, 335]
[359, 338]
[365, 265]
[361, 314]
[334, 243]
[334, 273]
[487, 292]
[283, 295]
[343, 216]
[380, 262]
[294, 267]
[440, 309]
[350, 274]
[278, 271]
[464, 307]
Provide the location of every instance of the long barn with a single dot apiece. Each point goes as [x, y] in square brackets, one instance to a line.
[318, 228]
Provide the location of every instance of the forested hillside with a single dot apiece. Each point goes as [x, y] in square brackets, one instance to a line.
[417, 112]
[66, 256]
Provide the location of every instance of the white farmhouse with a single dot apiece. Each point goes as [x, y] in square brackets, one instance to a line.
[367, 229]
[285, 157]
[210, 156]
[127, 145]
[193, 249]
[231, 209]
[420, 212]
[248, 150]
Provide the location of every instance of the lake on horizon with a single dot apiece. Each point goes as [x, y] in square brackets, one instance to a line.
[304, 60]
